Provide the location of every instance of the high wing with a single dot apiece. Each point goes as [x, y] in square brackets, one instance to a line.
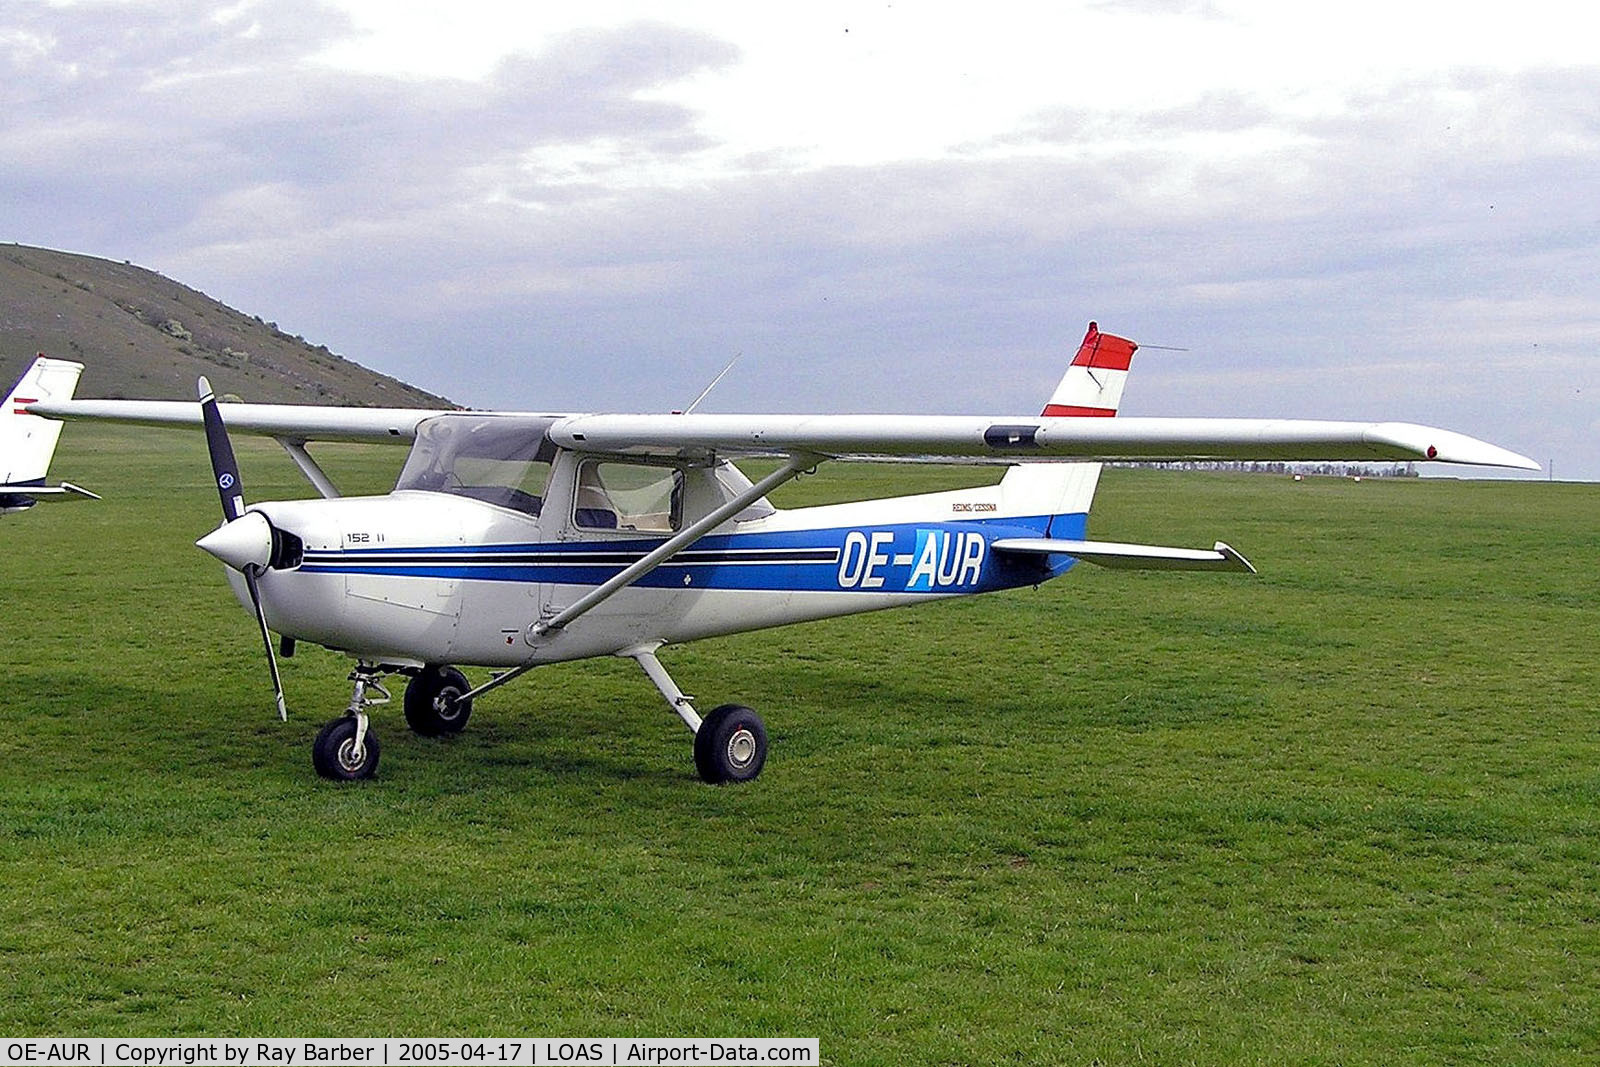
[296, 422]
[946, 438]
[981, 439]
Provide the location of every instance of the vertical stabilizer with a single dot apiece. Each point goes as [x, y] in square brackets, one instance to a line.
[1093, 383]
[27, 442]
[1091, 388]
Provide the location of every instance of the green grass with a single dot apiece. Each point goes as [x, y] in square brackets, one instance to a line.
[1344, 812]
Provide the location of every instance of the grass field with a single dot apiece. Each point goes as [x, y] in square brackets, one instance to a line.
[1344, 812]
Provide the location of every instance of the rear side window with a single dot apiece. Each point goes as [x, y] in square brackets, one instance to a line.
[628, 496]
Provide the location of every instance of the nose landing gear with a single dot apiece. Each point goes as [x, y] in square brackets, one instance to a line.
[346, 750]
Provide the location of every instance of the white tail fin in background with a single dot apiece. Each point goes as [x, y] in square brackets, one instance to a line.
[28, 442]
[1091, 388]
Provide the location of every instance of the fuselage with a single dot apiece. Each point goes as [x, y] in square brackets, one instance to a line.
[492, 532]
[420, 576]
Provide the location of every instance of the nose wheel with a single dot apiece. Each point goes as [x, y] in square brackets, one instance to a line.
[343, 752]
[346, 750]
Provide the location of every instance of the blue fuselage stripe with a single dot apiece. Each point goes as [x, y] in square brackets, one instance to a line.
[924, 557]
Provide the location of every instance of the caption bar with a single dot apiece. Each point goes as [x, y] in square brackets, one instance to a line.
[410, 1052]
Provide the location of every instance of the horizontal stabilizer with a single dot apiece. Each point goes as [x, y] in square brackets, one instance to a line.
[65, 490]
[1131, 557]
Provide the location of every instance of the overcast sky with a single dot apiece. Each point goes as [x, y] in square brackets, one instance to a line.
[1345, 210]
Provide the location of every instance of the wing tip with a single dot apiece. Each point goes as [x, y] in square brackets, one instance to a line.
[1233, 556]
[1428, 444]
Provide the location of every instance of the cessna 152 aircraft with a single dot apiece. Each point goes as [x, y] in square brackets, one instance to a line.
[513, 540]
[28, 442]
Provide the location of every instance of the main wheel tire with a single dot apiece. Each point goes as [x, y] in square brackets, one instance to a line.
[432, 709]
[333, 752]
[731, 745]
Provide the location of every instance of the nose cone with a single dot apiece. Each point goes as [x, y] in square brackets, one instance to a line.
[246, 541]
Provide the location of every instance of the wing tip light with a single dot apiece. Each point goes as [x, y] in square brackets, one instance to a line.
[1446, 446]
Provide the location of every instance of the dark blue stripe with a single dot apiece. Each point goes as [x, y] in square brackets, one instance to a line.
[795, 560]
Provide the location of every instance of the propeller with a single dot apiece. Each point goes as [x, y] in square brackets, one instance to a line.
[244, 540]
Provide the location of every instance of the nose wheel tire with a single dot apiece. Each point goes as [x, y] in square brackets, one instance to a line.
[432, 705]
[731, 745]
[335, 756]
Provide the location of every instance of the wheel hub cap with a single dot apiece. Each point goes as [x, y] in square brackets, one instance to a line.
[448, 704]
[350, 757]
[742, 747]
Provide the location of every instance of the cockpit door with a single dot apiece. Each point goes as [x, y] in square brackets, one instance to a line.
[603, 513]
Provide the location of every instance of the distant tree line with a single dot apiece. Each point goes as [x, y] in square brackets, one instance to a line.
[1333, 470]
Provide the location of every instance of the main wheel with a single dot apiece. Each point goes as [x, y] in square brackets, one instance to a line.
[433, 707]
[731, 745]
[334, 753]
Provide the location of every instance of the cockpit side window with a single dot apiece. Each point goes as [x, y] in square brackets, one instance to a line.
[501, 461]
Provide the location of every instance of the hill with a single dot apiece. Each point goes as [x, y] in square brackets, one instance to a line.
[142, 335]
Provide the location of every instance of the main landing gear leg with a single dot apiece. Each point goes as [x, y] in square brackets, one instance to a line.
[730, 744]
[346, 749]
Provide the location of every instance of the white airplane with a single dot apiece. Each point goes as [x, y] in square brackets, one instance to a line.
[513, 540]
[28, 442]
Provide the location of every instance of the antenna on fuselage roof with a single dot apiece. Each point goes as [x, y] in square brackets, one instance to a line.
[707, 390]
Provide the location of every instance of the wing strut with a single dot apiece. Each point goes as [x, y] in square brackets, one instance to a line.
[795, 466]
[308, 466]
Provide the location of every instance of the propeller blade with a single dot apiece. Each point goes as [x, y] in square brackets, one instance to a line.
[226, 469]
[223, 466]
[266, 639]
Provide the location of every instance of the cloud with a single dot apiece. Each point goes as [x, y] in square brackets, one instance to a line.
[564, 232]
[170, 118]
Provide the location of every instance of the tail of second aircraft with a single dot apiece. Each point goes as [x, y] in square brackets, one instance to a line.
[28, 442]
[1091, 388]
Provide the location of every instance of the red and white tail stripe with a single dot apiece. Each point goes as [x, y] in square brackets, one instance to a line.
[1092, 387]
[1093, 383]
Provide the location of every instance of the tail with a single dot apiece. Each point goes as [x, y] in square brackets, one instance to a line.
[28, 442]
[1093, 383]
[1091, 388]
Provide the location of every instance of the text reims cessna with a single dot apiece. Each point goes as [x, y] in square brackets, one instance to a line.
[514, 540]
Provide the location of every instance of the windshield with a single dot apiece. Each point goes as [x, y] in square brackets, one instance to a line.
[497, 459]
